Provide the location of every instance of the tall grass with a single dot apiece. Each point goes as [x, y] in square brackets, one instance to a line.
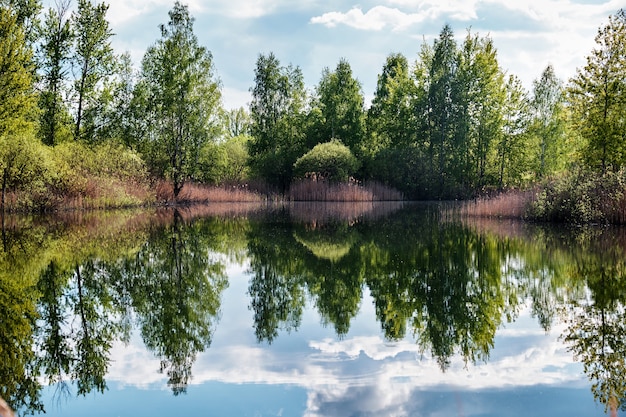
[322, 190]
[192, 193]
[508, 205]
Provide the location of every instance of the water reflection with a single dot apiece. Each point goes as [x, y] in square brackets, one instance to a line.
[73, 288]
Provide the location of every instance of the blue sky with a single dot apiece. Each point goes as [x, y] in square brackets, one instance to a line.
[314, 34]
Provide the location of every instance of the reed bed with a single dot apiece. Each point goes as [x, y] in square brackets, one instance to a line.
[508, 205]
[192, 193]
[323, 190]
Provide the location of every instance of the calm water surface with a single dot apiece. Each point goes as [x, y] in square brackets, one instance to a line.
[310, 310]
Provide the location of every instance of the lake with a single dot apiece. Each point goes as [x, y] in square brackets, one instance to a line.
[344, 309]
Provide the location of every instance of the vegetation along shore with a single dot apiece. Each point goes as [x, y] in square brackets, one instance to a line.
[82, 127]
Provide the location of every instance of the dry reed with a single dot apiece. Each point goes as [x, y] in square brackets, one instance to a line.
[508, 205]
[322, 190]
[192, 193]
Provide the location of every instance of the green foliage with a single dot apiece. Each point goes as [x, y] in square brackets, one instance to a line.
[547, 124]
[341, 110]
[389, 118]
[277, 121]
[54, 57]
[448, 113]
[24, 163]
[93, 56]
[331, 160]
[596, 97]
[17, 99]
[513, 157]
[224, 162]
[581, 197]
[181, 100]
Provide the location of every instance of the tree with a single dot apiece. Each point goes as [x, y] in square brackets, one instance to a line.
[442, 71]
[512, 155]
[237, 122]
[114, 114]
[340, 103]
[26, 13]
[17, 98]
[21, 161]
[277, 117]
[54, 56]
[390, 118]
[597, 97]
[547, 124]
[93, 57]
[182, 99]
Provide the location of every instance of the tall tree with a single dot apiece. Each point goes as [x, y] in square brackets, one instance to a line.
[512, 153]
[18, 159]
[390, 116]
[340, 102]
[26, 12]
[237, 122]
[54, 57]
[598, 99]
[17, 98]
[441, 99]
[547, 124]
[277, 116]
[93, 56]
[182, 98]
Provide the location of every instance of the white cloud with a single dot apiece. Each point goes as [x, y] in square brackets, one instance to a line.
[434, 9]
[376, 18]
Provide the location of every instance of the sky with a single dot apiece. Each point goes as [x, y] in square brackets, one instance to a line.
[316, 34]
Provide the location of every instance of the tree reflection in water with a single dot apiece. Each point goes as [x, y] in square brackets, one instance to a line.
[77, 288]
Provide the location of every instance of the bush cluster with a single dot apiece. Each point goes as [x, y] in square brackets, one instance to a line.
[581, 197]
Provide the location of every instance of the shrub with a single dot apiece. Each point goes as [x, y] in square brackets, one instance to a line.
[331, 160]
[581, 197]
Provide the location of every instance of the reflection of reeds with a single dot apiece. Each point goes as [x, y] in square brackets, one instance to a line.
[223, 210]
[502, 228]
[322, 190]
[509, 205]
[313, 212]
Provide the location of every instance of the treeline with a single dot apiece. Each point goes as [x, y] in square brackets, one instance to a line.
[78, 120]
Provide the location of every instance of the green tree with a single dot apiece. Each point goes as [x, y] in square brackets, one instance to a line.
[93, 59]
[341, 110]
[390, 118]
[441, 99]
[224, 162]
[478, 119]
[331, 160]
[277, 120]
[547, 123]
[596, 95]
[54, 57]
[182, 99]
[512, 153]
[21, 161]
[17, 98]
[26, 12]
[237, 122]
[114, 115]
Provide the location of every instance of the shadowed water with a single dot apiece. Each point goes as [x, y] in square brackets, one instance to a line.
[310, 309]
